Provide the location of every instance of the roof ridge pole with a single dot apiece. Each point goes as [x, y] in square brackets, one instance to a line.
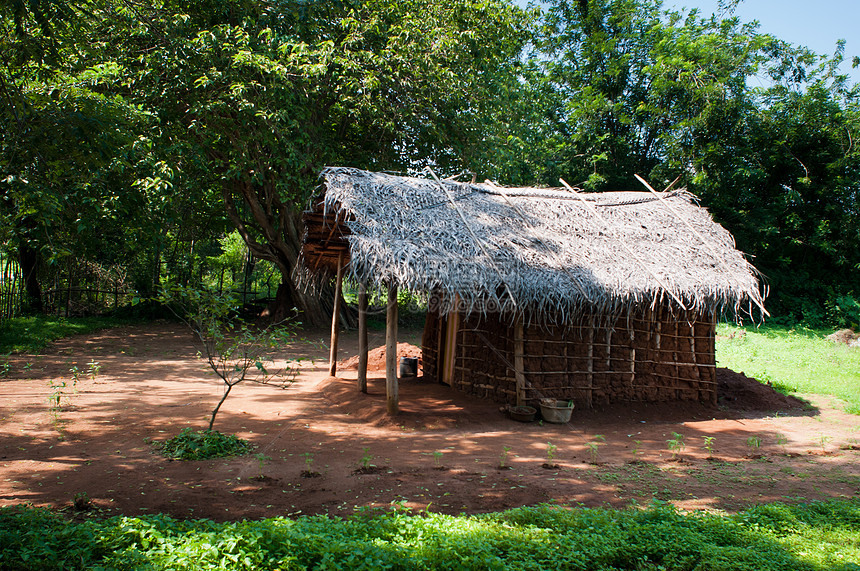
[692, 229]
[630, 251]
[335, 318]
[475, 238]
[392, 399]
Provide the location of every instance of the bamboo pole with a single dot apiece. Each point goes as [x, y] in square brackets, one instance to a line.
[391, 352]
[519, 373]
[335, 318]
[632, 355]
[590, 365]
[362, 337]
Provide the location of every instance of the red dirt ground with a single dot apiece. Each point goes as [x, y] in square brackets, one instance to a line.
[151, 385]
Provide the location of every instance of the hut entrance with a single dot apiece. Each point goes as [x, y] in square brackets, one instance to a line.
[439, 346]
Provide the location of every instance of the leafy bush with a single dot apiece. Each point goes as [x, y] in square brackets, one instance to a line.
[773, 537]
[203, 444]
[845, 311]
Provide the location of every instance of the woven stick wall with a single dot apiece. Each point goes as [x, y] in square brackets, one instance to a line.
[590, 361]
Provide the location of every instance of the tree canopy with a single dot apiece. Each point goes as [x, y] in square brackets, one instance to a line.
[136, 134]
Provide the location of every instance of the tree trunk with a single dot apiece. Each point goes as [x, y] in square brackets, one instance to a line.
[28, 259]
[272, 231]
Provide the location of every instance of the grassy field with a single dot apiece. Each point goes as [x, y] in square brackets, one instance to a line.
[32, 334]
[793, 359]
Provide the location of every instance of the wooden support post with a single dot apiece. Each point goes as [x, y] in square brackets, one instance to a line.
[589, 364]
[362, 337]
[451, 330]
[335, 318]
[519, 373]
[632, 355]
[391, 352]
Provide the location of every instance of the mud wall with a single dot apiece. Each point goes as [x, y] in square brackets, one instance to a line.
[655, 355]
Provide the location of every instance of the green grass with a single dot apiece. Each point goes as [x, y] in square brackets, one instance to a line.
[767, 538]
[793, 359]
[32, 334]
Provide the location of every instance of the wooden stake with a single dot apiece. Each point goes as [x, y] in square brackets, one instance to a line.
[590, 365]
[362, 337]
[632, 353]
[391, 352]
[335, 318]
[519, 373]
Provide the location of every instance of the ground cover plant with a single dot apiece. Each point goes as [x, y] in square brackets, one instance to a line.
[794, 360]
[769, 537]
[203, 444]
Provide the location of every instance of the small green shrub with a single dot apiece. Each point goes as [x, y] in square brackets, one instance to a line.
[203, 444]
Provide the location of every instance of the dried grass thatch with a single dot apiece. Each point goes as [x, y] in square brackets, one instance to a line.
[548, 253]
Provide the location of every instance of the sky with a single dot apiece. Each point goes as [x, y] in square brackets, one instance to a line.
[816, 24]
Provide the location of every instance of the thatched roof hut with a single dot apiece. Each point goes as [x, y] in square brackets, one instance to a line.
[547, 258]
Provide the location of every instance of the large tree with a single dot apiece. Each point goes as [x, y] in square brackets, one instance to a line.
[625, 87]
[253, 99]
[65, 139]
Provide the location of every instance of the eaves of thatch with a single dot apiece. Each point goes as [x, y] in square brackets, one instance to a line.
[549, 253]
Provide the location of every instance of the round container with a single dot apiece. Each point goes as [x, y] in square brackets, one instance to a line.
[556, 411]
[523, 413]
[408, 366]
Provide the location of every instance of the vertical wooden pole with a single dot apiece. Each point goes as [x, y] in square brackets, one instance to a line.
[589, 364]
[630, 323]
[362, 337]
[519, 372]
[451, 329]
[335, 318]
[712, 360]
[391, 352]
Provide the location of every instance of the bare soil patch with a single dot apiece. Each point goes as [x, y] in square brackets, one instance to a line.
[151, 385]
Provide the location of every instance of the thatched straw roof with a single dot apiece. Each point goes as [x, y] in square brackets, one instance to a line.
[549, 252]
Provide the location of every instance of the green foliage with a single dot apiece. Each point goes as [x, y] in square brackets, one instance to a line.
[819, 536]
[845, 311]
[793, 359]
[709, 445]
[503, 457]
[551, 450]
[366, 459]
[34, 333]
[204, 444]
[676, 444]
[593, 446]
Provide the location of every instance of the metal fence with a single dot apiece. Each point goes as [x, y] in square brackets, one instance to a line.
[79, 288]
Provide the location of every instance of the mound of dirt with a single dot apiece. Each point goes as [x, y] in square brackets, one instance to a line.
[844, 336]
[744, 393]
[376, 358]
